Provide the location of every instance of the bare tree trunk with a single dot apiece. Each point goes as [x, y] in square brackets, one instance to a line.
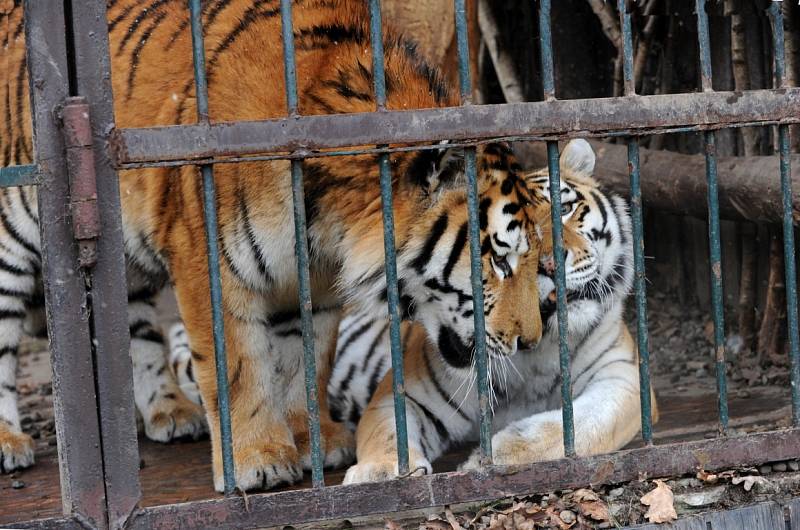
[502, 60]
[747, 286]
[771, 333]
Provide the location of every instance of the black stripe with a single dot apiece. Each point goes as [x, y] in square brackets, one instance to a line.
[8, 350]
[12, 230]
[251, 16]
[11, 314]
[374, 347]
[125, 12]
[356, 334]
[455, 254]
[609, 363]
[5, 291]
[137, 51]
[425, 255]
[441, 430]
[437, 385]
[23, 195]
[326, 34]
[255, 248]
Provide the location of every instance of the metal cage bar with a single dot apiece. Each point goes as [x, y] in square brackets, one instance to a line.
[474, 236]
[25, 175]
[390, 253]
[637, 226]
[301, 251]
[109, 292]
[212, 246]
[715, 251]
[83, 491]
[790, 272]
[548, 89]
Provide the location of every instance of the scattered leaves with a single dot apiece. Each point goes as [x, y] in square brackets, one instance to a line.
[749, 481]
[660, 502]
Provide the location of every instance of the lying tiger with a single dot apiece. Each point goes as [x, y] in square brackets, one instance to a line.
[442, 404]
[162, 210]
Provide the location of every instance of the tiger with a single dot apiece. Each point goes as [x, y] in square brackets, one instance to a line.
[440, 394]
[162, 214]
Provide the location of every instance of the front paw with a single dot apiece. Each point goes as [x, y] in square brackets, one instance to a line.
[173, 416]
[263, 465]
[338, 446]
[387, 470]
[16, 449]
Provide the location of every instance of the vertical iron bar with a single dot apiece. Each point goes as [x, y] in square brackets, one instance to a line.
[548, 89]
[74, 398]
[476, 272]
[638, 235]
[776, 14]
[301, 252]
[715, 252]
[212, 238]
[109, 287]
[392, 293]
[546, 51]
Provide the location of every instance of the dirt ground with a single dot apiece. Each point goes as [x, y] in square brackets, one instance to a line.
[685, 383]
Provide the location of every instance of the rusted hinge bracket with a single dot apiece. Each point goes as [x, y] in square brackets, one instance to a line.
[82, 180]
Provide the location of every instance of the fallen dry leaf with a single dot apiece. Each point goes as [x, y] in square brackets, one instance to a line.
[660, 502]
[708, 478]
[596, 510]
[584, 495]
[391, 525]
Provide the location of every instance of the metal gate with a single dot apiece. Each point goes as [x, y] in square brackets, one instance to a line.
[92, 374]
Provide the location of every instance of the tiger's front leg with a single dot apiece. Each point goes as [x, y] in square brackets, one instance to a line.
[337, 441]
[264, 450]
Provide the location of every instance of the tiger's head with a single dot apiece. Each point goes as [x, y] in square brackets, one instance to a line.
[597, 243]
[438, 257]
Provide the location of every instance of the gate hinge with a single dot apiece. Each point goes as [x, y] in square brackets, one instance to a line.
[82, 178]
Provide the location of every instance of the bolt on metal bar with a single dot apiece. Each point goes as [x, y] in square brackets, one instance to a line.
[212, 238]
[392, 292]
[548, 89]
[638, 235]
[790, 272]
[474, 233]
[715, 252]
[301, 252]
[12, 176]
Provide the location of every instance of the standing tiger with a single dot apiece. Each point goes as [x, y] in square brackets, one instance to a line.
[152, 78]
[440, 390]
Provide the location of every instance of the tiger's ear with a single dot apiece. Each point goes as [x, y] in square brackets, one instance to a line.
[578, 157]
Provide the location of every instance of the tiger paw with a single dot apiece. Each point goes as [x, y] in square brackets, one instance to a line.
[380, 471]
[172, 416]
[263, 466]
[16, 449]
[338, 446]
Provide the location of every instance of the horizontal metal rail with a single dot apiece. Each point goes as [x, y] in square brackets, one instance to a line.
[639, 114]
[19, 175]
[341, 502]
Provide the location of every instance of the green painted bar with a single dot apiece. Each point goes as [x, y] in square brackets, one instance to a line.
[301, 253]
[214, 278]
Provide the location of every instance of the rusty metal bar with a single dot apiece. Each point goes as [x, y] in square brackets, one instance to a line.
[790, 264]
[637, 229]
[69, 523]
[340, 502]
[111, 338]
[640, 115]
[74, 399]
[82, 179]
[714, 231]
